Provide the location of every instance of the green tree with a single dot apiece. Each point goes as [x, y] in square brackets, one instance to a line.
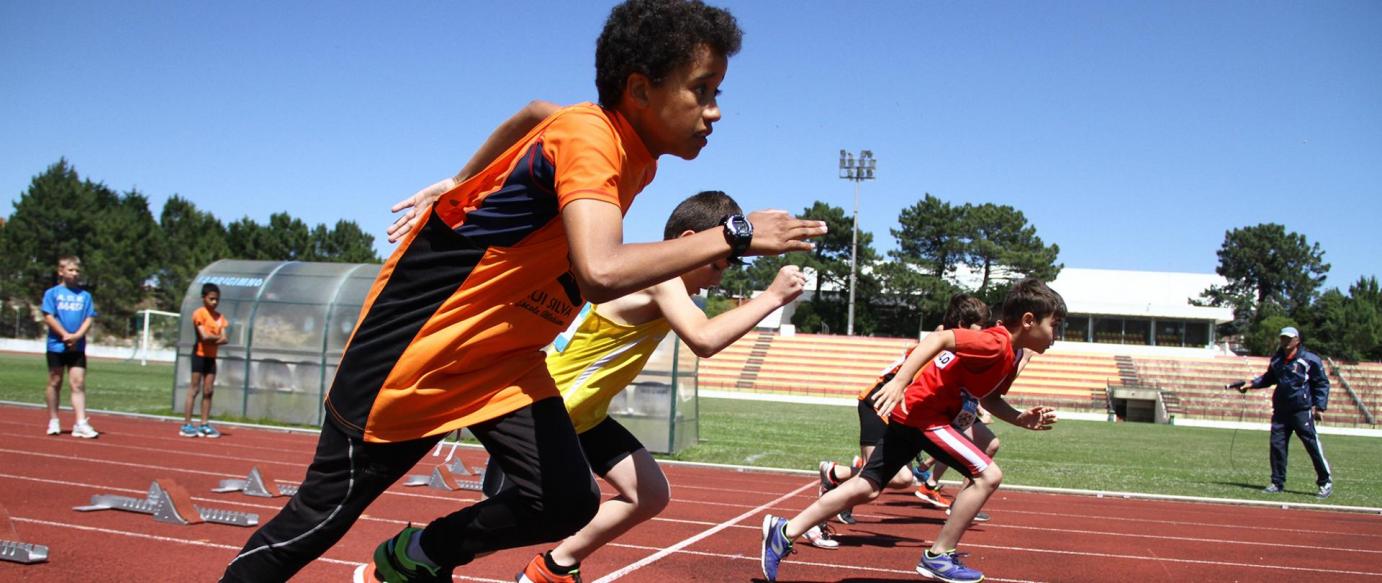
[931, 234]
[248, 240]
[910, 301]
[1266, 265]
[52, 218]
[999, 236]
[1348, 327]
[346, 243]
[192, 239]
[1264, 336]
[122, 255]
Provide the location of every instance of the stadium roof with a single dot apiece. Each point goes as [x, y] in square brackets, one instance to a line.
[1142, 294]
[1110, 292]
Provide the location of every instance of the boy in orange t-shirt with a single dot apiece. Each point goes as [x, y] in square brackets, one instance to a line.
[210, 328]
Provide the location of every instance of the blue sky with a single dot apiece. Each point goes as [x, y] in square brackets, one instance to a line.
[1133, 134]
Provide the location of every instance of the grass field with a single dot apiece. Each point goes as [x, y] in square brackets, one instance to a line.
[1130, 457]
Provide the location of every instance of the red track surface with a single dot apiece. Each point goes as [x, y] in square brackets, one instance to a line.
[711, 527]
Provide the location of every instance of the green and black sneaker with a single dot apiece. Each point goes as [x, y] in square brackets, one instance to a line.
[391, 564]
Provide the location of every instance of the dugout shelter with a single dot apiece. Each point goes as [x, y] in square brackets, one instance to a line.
[290, 322]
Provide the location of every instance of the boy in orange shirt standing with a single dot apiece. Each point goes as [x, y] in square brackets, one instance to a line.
[922, 399]
[210, 328]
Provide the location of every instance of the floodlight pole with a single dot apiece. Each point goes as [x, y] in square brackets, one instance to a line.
[856, 170]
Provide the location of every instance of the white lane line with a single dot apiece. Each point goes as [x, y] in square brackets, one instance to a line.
[645, 561]
[1172, 560]
[1179, 523]
[808, 563]
[200, 543]
[1215, 541]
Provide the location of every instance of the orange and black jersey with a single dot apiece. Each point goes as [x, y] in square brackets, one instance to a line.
[453, 329]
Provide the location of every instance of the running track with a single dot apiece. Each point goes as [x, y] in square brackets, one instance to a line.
[709, 533]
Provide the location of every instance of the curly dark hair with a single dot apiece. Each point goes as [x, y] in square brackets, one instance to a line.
[653, 37]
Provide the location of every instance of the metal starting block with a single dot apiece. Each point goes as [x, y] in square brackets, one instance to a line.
[169, 502]
[257, 484]
[450, 477]
[11, 549]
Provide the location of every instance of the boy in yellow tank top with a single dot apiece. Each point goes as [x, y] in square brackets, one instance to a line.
[611, 344]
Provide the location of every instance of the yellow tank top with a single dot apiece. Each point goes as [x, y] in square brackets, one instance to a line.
[600, 359]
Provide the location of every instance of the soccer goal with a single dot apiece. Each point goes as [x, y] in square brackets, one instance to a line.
[159, 332]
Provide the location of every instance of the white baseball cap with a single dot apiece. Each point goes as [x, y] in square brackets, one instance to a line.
[1290, 332]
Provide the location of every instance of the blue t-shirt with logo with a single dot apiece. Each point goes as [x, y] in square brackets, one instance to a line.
[71, 307]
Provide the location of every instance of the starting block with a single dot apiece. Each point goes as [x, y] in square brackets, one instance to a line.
[257, 484]
[11, 549]
[450, 477]
[169, 502]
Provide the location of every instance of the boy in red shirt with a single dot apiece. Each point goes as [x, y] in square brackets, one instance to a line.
[921, 406]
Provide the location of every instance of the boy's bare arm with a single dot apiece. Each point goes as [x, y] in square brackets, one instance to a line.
[508, 133]
[1036, 418]
[56, 326]
[708, 336]
[81, 331]
[607, 268]
[890, 395]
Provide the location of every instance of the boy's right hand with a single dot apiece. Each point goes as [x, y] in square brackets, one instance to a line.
[776, 232]
[417, 206]
[890, 397]
[788, 284]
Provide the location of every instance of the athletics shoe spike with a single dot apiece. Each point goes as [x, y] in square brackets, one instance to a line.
[947, 567]
[536, 571]
[776, 545]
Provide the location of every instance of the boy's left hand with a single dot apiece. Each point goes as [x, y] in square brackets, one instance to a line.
[417, 206]
[1037, 418]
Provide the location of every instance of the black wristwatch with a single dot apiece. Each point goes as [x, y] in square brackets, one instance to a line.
[738, 233]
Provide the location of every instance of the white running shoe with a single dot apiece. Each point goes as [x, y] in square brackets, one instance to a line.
[820, 536]
[53, 427]
[84, 430]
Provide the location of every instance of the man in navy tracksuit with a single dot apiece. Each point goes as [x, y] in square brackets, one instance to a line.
[1302, 393]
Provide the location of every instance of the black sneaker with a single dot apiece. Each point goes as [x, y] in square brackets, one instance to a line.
[846, 516]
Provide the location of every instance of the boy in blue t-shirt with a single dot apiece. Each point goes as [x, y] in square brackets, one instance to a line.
[68, 310]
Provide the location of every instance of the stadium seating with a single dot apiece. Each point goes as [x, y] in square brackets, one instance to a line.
[813, 365]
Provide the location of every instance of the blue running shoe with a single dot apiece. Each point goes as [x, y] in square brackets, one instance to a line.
[947, 567]
[208, 431]
[775, 544]
[189, 430]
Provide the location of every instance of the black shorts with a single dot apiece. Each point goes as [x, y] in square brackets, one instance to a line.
[871, 426]
[607, 444]
[67, 359]
[203, 364]
[604, 445]
[901, 444]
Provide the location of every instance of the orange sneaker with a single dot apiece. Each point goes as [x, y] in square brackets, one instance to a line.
[932, 496]
[537, 572]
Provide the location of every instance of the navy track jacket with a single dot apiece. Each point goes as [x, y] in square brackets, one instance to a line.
[1301, 382]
